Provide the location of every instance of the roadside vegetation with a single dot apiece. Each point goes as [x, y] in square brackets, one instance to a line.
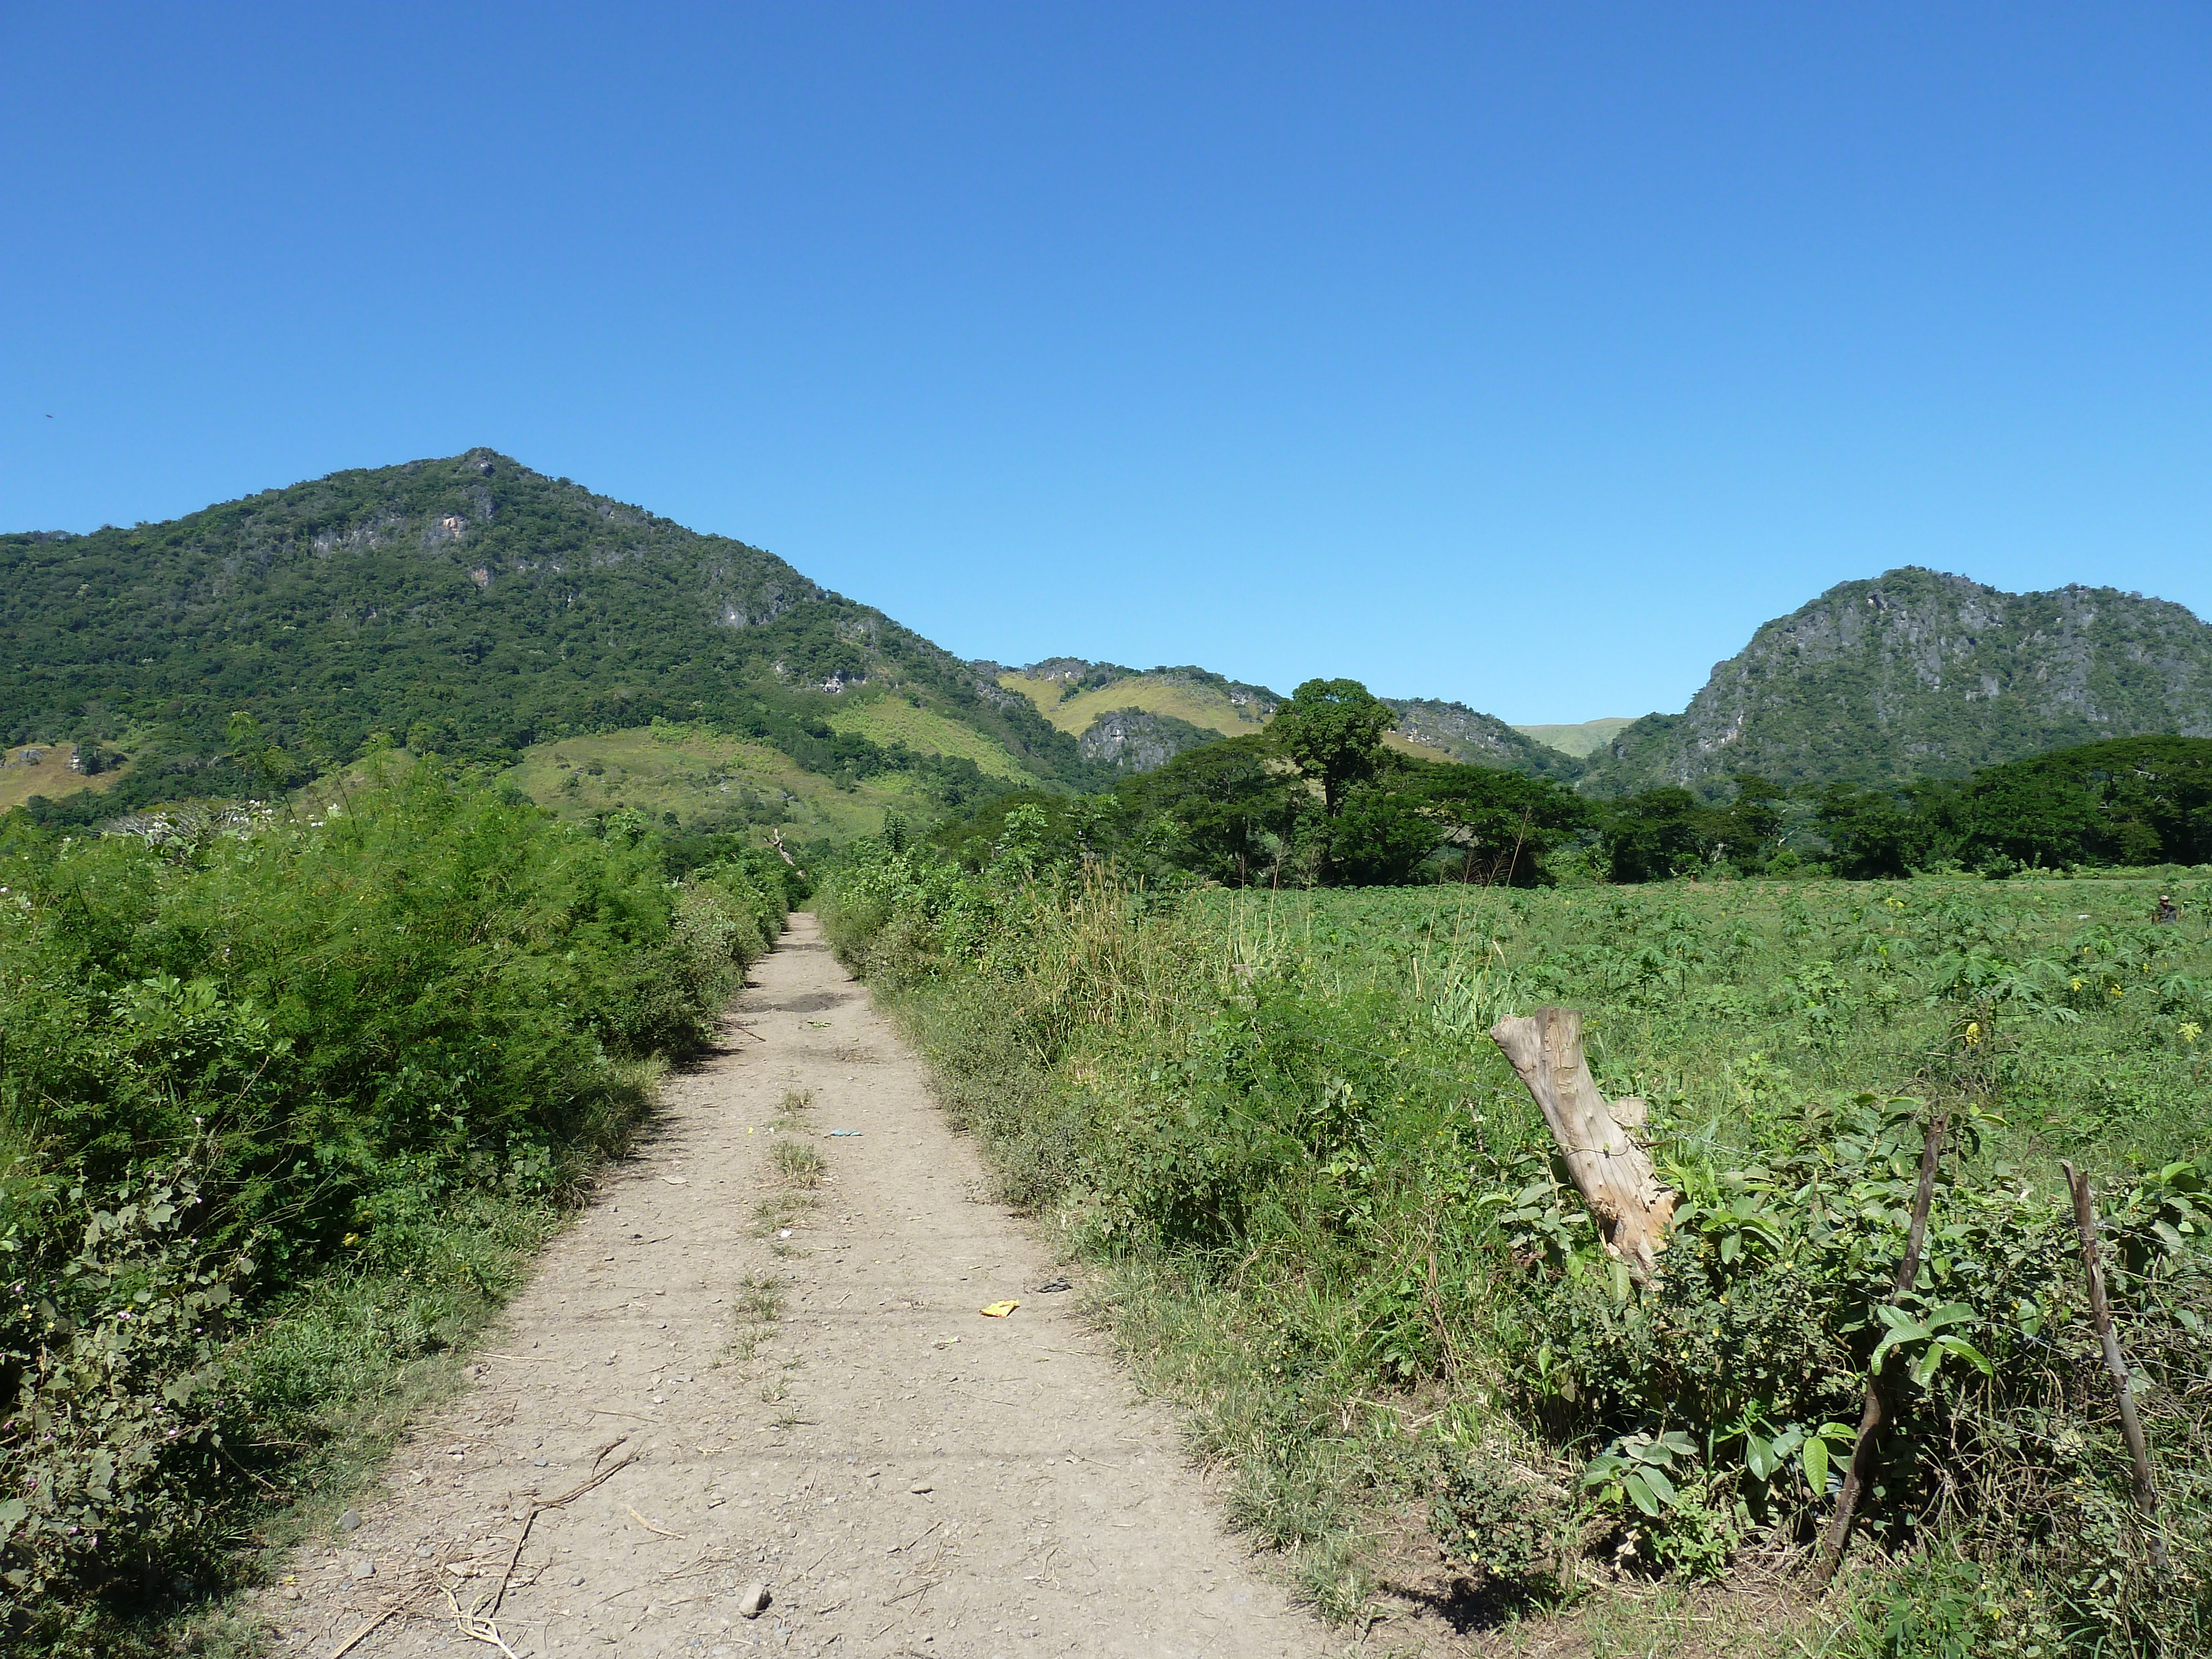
[1333, 1225]
[290, 1098]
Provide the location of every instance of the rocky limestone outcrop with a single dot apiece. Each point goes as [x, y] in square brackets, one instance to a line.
[1138, 741]
[1920, 673]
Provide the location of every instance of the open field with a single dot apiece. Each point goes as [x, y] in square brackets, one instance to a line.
[50, 777]
[1334, 1217]
[1584, 738]
[700, 776]
[1427, 751]
[1201, 705]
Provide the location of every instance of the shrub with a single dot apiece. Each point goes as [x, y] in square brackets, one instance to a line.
[238, 1058]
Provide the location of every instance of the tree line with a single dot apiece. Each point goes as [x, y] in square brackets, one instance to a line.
[1320, 799]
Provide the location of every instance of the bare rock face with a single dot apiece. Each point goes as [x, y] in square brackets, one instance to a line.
[1138, 741]
[1919, 673]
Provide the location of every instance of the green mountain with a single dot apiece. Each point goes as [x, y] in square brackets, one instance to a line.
[1452, 730]
[472, 606]
[1919, 674]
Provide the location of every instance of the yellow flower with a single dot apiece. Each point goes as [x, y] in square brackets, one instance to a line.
[2077, 984]
[1973, 1032]
[350, 1240]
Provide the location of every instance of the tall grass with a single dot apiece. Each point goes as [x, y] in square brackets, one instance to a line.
[1337, 1230]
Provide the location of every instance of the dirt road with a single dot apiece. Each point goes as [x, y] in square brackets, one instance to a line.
[904, 1476]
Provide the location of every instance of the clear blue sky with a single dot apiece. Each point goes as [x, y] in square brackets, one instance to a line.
[1529, 354]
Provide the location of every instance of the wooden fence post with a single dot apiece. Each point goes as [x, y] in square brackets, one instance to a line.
[2100, 1314]
[1831, 1555]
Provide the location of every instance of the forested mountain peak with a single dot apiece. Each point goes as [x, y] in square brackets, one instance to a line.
[466, 603]
[1923, 673]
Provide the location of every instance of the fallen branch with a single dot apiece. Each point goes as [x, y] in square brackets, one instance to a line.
[355, 1640]
[530, 1520]
[649, 1527]
[480, 1629]
[2101, 1313]
[1831, 1555]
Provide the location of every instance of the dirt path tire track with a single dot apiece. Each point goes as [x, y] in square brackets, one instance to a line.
[1056, 1514]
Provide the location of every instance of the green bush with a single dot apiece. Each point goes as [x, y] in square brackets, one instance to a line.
[235, 1061]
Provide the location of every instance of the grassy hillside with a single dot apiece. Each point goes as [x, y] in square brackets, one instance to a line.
[1451, 731]
[1582, 739]
[705, 780]
[1084, 698]
[49, 776]
[1213, 706]
[467, 606]
[1918, 674]
[889, 719]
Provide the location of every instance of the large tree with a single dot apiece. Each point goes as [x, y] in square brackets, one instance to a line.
[1332, 731]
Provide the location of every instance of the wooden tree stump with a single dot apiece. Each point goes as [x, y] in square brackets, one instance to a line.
[1610, 1167]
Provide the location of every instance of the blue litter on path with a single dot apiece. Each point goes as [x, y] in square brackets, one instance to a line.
[834, 1132]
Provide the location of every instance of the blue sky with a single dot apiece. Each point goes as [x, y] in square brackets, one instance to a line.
[1530, 355]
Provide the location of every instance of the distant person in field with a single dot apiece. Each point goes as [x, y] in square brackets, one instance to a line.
[2167, 913]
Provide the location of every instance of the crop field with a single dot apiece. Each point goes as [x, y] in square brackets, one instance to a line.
[1336, 1229]
[1706, 999]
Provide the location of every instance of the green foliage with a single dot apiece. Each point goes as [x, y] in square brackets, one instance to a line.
[1507, 1523]
[238, 1063]
[1332, 731]
[2130, 801]
[467, 606]
[1282, 1115]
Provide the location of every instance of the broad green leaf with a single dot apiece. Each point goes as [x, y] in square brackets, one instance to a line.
[1816, 1466]
[1639, 1492]
[1658, 1482]
[1896, 1336]
[1967, 1352]
[1759, 1456]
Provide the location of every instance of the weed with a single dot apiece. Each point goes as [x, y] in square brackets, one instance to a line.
[798, 1165]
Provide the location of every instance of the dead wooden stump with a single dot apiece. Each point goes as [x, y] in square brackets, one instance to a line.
[1610, 1167]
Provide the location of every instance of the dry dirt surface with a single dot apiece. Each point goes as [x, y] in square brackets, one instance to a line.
[903, 1474]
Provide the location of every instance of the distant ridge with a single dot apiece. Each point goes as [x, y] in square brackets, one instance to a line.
[1105, 706]
[1580, 738]
[1919, 673]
